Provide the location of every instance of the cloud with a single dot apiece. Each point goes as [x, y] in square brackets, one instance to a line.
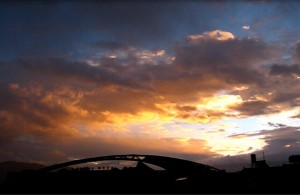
[214, 35]
[34, 111]
[296, 116]
[186, 108]
[210, 77]
[274, 94]
[285, 70]
[105, 69]
[49, 93]
[246, 27]
[238, 136]
[276, 124]
[280, 142]
[56, 152]
[252, 108]
[62, 69]
[221, 60]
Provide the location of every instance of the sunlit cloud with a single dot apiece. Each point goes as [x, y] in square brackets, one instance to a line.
[214, 35]
[209, 93]
[246, 27]
[236, 145]
[241, 88]
[221, 102]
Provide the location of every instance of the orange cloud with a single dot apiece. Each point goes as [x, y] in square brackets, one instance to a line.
[215, 35]
[203, 82]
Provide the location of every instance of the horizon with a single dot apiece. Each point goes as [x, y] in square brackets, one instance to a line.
[228, 163]
[206, 81]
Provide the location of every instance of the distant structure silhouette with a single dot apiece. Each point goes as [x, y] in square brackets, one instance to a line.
[253, 160]
[258, 164]
[179, 167]
[178, 176]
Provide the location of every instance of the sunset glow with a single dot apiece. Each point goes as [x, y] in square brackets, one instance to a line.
[196, 80]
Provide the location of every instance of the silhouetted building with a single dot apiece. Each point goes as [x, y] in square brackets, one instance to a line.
[294, 159]
[253, 160]
[258, 163]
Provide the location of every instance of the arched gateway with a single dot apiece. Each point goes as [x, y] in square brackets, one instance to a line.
[179, 176]
[174, 165]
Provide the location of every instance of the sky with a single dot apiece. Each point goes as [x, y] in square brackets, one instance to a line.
[207, 81]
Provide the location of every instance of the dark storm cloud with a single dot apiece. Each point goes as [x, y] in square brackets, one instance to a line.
[25, 112]
[252, 108]
[11, 108]
[203, 67]
[275, 103]
[286, 70]
[266, 90]
[52, 71]
[282, 142]
[230, 61]
[60, 68]
[289, 96]
[275, 91]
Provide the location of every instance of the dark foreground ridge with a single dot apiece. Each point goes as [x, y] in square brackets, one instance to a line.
[177, 176]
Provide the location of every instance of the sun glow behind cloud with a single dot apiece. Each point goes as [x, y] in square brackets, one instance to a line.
[186, 128]
[220, 103]
[209, 90]
[90, 123]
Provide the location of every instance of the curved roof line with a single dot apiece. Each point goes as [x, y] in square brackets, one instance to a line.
[168, 163]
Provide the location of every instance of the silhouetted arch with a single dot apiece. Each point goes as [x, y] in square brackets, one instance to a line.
[174, 165]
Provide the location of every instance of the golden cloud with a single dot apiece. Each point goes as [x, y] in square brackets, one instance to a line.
[218, 35]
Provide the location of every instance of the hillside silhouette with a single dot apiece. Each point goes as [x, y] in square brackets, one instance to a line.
[177, 176]
[13, 166]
